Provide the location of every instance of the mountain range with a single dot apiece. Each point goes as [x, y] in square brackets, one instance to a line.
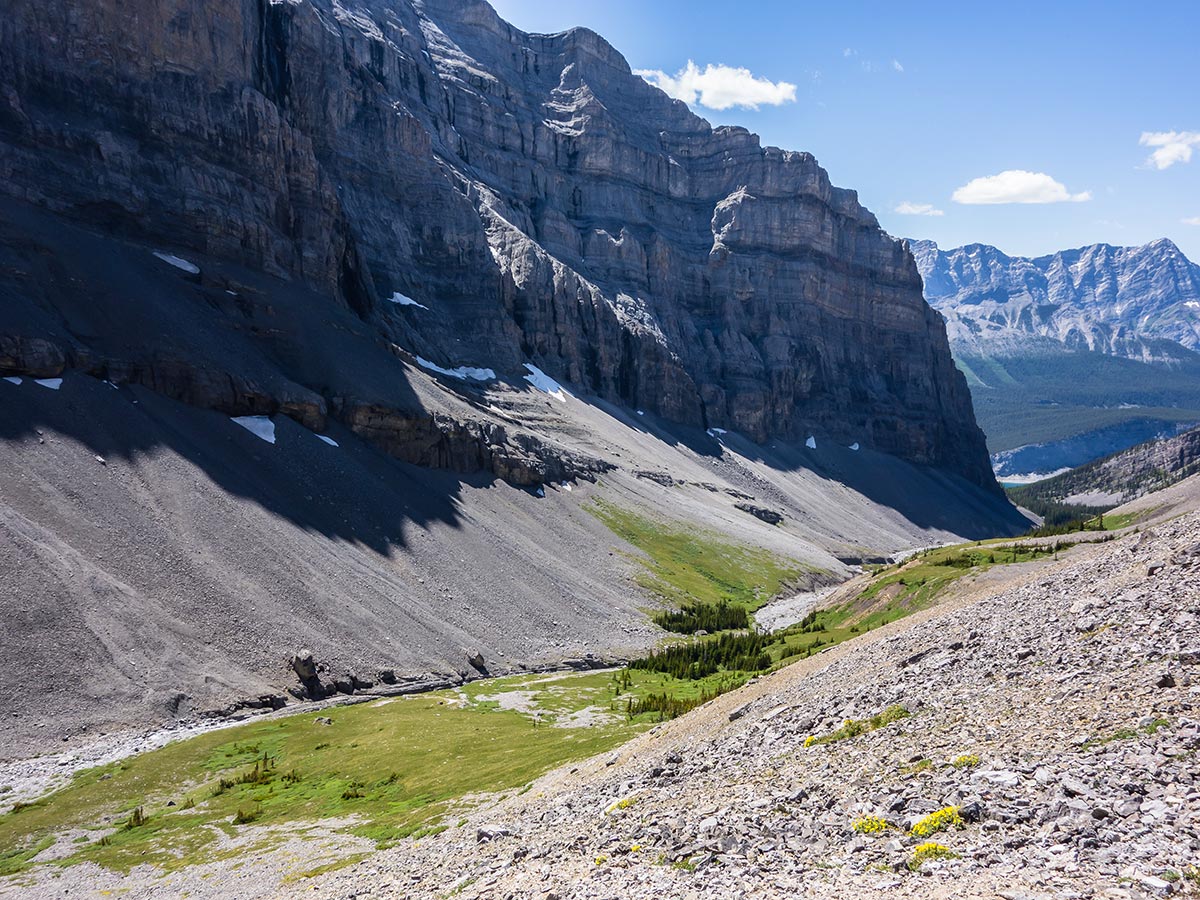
[1073, 355]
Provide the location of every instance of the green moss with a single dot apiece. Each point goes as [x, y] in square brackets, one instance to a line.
[17, 856]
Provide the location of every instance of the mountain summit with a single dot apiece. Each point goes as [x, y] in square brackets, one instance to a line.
[1134, 302]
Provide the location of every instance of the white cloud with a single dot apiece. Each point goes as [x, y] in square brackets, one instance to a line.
[1191, 220]
[1017, 186]
[917, 209]
[721, 86]
[848, 52]
[1172, 147]
[896, 65]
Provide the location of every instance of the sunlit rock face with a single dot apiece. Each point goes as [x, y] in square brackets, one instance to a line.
[534, 199]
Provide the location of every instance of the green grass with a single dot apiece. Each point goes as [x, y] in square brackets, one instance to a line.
[396, 766]
[917, 582]
[388, 770]
[852, 728]
[686, 566]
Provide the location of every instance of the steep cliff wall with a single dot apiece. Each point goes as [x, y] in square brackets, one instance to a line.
[534, 199]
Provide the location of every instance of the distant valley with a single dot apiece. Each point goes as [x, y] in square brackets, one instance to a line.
[1070, 356]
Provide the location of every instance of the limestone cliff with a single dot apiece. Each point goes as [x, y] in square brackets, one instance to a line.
[473, 195]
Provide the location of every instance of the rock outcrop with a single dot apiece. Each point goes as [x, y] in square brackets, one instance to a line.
[478, 196]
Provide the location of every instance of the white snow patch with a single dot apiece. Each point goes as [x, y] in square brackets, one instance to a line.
[1030, 477]
[462, 373]
[716, 432]
[259, 426]
[811, 443]
[641, 412]
[541, 492]
[854, 446]
[330, 441]
[544, 383]
[399, 299]
[12, 379]
[566, 486]
[1194, 304]
[53, 383]
[111, 385]
[190, 268]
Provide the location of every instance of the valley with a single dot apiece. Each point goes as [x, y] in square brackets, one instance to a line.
[438, 461]
[371, 789]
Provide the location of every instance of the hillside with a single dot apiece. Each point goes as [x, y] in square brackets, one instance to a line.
[1034, 729]
[1120, 477]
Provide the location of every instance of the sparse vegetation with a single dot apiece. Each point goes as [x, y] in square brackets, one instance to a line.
[852, 728]
[922, 853]
[942, 819]
[869, 825]
[965, 761]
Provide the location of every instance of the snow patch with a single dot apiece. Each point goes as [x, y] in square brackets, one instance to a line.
[462, 373]
[641, 412]
[811, 443]
[169, 259]
[400, 300]
[544, 383]
[1029, 477]
[716, 432]
[1193, 304]
[330, 441]
[53, 383]
[854, 446]
[259, 426]
[566, 486]
[541, 492]
[12, 379]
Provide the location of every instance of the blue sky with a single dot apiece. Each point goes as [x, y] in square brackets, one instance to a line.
[909, 103]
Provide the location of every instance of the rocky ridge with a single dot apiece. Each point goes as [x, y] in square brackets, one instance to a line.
[1137, 302]
[471, 195]
[1124, 476]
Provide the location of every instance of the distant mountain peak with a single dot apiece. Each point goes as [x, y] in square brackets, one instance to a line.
[1135, 302]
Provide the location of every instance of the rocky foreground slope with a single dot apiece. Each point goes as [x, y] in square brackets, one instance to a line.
[1057, 709]
[1078, 692]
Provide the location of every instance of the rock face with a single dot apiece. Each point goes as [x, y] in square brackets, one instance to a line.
[1137, 302]
[480, 197]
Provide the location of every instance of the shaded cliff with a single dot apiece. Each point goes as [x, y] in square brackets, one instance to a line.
[473, 195]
